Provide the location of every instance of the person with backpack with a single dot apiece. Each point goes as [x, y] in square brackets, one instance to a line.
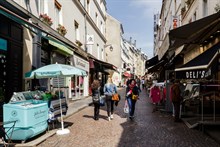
[132, 95]
[96, 98]
[109, 90]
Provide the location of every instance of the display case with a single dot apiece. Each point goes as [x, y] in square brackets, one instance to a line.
[30, 114]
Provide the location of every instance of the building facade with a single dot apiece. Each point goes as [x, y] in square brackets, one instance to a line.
[47, 37]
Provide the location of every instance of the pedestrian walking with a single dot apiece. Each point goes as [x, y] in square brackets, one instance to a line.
[132, 94]
[143, 83]
[109, 90]
[155, 96]
[138, 83]
[96, 98]
[176, 99]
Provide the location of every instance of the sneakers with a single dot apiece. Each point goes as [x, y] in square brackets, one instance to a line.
[131, 117]
[111, 116]
[109, 119]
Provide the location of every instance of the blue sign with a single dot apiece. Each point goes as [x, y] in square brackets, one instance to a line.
[3, 44]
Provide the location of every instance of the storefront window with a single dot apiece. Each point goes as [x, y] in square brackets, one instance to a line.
[77, 87]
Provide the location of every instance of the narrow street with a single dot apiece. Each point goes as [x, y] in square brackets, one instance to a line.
[147, 130]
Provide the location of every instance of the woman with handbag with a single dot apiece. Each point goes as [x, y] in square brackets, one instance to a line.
[96, 98]
[109, 90]
[132, 94]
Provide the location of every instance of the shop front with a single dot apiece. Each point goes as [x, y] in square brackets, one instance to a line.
[100, 70]
[11, 55]
[201, 103]
[79, 84]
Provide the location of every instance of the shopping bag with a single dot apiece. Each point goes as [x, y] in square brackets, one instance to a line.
[126, 107]
[102, 100]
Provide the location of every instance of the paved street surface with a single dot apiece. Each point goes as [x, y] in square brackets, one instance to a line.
[147, 130]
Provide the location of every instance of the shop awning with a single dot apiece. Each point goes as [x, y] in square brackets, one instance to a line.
[194, 32]
[8, 4]
[126, 74]
[99, 65]
[156, 67]
[199, 67]
[151, 62]
[60, 46]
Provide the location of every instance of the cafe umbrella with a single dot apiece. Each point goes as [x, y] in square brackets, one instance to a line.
[56, 71]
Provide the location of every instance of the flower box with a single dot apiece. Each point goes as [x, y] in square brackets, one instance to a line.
[61, 30]
[46, 19]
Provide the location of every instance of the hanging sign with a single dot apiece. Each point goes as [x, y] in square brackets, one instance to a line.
[81, 63]
[90, 40]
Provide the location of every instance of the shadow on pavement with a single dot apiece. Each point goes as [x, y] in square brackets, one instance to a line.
[92, 117]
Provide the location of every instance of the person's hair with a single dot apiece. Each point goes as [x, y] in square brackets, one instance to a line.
[95, 84]
[132, 80]
[109, 80]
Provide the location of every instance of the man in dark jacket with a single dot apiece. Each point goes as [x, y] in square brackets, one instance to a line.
[176, 99]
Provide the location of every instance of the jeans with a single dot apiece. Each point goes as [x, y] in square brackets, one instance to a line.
[110, 105]
[96, 110]
[131, 104]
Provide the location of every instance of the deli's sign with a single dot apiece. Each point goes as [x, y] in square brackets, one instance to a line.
[193, 74]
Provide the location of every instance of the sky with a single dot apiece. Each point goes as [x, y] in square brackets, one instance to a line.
[136, 17]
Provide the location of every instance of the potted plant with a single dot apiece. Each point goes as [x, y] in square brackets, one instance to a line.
[46, 19]
[62, 30]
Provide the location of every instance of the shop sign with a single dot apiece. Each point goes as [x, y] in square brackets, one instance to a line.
[81, 63]
[175, 22]
[3, 44]
[194, 74]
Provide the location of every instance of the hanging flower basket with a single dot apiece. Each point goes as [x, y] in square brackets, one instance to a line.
[62, 30]
[46, 19]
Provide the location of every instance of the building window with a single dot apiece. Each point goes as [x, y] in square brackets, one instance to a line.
[97, 19]
[102, 52]
[42, 7]
[205, 8]
[88, 6]
[77, 34]
[98, 51]
[102, 28]
[194, 17]
[58, 16]
[89, 47]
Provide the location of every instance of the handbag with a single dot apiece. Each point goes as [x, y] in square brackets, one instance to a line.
[115, 97]
[126, 108]
[134, 97]
[102, 100]
[96, 97]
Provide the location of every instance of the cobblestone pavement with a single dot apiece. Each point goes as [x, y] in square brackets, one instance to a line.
[146, 130]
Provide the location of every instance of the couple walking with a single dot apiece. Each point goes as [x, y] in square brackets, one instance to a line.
[106, 90]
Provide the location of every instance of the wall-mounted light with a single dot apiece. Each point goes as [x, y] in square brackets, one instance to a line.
[111, 47]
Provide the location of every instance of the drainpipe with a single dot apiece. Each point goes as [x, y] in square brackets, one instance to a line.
[85, 18]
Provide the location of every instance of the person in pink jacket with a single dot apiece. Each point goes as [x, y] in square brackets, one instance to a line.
[155, 96]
